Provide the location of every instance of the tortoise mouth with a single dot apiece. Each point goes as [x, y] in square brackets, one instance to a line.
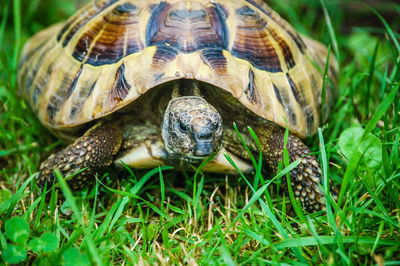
[195, 157]
[188, 161]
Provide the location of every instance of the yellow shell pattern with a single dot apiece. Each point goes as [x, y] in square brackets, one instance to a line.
[112, 51]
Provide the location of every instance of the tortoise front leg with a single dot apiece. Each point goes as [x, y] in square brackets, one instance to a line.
[306, 177]
[93, 151]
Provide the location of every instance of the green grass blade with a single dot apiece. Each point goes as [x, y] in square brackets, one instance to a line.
[331, 30]
[324, 84]
[375, 198]
[107, 220]
[388, 28]
[257, 196]
[162, 189]
[118, 213]
[71, 200]
[131, 195]
[17, 32]
[146, 178]
[295, 203]
[3, 24]
[41, 206]
[387, 101]
[330, 240]
[371, 77]
[10, 203]
[326, 188]
[378, 236]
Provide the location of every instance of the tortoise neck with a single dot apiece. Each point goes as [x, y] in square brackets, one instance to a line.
[185, 87]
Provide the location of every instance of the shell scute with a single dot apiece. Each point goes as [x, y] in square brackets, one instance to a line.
[187, 29]
[121, 87]
[215, 59]
[110, 38]
[252, 42]
[81, 19]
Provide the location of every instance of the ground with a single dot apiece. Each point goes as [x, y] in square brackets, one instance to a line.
[165, 217]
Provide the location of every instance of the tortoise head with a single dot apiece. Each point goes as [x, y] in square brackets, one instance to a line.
[191, 127]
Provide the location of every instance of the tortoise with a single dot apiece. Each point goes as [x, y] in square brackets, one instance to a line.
[149, 83]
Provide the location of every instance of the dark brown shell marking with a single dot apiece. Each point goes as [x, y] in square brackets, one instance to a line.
[111, 38]
[121, 87]
[80, 21]
[187, 30]
[58, 98]
[252, 42]
[215, 59]
[262, 6]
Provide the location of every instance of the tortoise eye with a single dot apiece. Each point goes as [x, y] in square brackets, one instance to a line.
[182, 127]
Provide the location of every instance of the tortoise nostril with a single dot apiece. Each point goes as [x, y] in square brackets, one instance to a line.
[204, 136]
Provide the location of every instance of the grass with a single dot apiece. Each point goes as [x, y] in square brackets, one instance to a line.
[165, 217]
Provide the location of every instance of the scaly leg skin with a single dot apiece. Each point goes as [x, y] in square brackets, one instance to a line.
[93, 151]
[306, 177]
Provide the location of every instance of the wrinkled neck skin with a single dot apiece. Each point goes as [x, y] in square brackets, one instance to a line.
[191, 128]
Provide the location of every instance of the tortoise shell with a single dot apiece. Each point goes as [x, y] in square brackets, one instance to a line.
[112, 51]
